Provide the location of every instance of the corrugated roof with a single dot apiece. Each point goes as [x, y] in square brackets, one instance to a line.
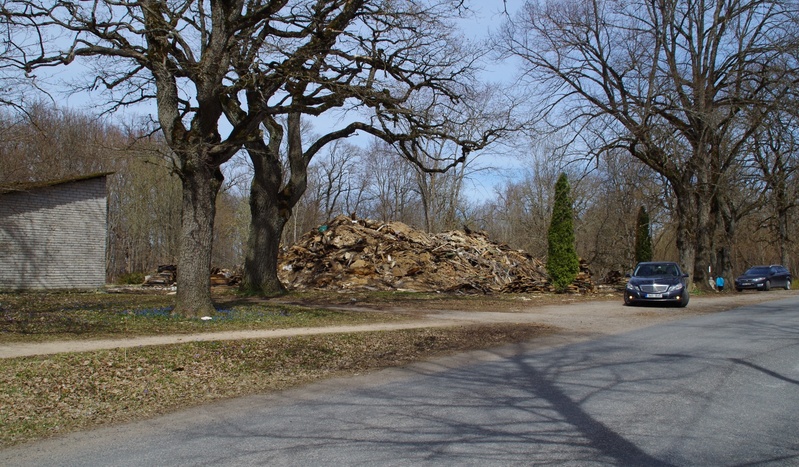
[27, 186]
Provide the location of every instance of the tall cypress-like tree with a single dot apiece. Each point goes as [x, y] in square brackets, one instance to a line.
[562, 261]
[643, 237]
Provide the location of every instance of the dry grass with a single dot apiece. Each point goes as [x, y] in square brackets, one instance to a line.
[48, 395]
[412, 302]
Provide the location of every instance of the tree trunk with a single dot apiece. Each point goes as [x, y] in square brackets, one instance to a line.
[783, 232]
[263, 244]
[270, 208]
[727, 219]
[686, 218]
[201, 183]
[425, 195]
[783, 236]
[705, 228]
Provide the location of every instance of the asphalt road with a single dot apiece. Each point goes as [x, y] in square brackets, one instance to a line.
[720, 389]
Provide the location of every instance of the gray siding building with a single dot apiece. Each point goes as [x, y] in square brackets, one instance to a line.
[53, 234]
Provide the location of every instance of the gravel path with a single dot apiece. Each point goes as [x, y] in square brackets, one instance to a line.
[577, 321]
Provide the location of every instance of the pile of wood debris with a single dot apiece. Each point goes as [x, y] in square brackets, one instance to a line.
[167, 275]
[360, 254]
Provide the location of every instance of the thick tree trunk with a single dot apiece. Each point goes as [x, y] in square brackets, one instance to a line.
[784, 237]
[263, 244]
[783, 232]
[704, 231]
[686, 219]
[726, 218]
[270, 209]
[200, 186]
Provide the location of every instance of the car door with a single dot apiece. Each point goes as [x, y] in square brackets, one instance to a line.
[785, 276]
[777, 278]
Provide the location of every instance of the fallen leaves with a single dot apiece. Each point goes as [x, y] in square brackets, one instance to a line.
[40, 396]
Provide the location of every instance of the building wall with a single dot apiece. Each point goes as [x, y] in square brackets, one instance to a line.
[54, 237]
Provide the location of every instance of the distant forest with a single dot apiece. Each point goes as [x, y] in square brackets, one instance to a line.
[375, 182]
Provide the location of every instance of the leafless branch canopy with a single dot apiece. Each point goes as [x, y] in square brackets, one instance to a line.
[210, 65]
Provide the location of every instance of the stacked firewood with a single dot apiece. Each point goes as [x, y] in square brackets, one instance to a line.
[613, 280]
[581, 284]
[165, 276]
[225, 277]
[361, 254]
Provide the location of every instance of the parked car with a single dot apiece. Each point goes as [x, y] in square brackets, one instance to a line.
[764, 278]
[657, 282]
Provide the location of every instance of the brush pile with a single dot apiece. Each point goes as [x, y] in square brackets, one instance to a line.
[360, 254]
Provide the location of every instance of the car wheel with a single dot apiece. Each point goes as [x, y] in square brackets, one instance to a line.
[767, 287]
[788, 284]
[684, 301]
[627, 302]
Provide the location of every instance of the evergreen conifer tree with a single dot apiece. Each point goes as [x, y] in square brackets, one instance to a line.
[562, 261]
[643, 237]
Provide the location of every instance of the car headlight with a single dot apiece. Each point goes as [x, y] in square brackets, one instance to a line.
[630, 286]
[759, 279]
[675, 287]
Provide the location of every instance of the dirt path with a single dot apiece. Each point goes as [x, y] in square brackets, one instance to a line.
[577, 321]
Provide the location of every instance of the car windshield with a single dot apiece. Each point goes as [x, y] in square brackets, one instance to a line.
[758, 271]
[656, 270]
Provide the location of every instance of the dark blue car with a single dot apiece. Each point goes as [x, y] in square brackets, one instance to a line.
[764, 278]
[657, 282]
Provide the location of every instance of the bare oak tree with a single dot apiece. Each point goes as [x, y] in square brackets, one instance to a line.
[775, 156]
[396, 69]
[221, 72]
[672, 82]
[179, 54]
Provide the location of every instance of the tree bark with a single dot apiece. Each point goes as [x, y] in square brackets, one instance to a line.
[783, 232]
[270, 209]
[705, 228]
[686, 218]
[201, 183]
[728, 219]
[263, 244]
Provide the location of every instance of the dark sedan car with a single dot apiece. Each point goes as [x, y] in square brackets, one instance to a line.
[764, 278]
[657, 282]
